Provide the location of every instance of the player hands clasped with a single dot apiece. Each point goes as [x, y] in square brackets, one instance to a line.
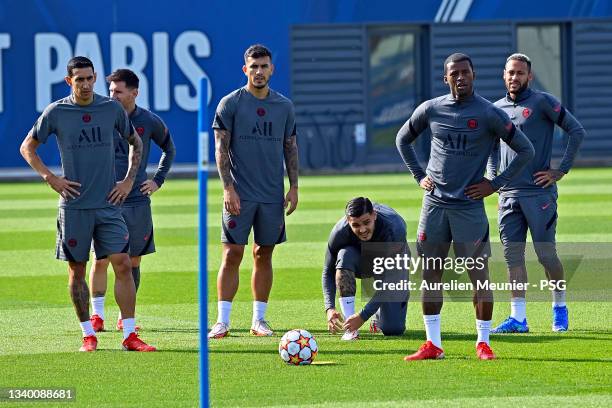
[530, 200]
[84, 124]
[464, 128]
[363, 222]
[136, 207]
[254, 134]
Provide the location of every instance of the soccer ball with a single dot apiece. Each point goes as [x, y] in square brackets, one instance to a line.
[298, 347]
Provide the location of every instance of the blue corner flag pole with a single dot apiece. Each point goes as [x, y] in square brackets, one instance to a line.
[202, 238]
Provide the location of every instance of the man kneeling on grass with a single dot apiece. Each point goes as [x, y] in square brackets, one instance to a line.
[363, 222]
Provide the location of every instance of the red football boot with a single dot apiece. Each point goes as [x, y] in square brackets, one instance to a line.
[97, 322]
[133, 343]
[90, 343]
[484, 352]
[428, 351]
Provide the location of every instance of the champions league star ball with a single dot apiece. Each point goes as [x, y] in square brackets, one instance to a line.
[298, 347]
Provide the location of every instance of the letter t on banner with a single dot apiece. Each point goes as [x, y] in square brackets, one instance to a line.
[202, 238]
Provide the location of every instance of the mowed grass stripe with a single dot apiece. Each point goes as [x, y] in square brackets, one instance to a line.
[13, 240]
[46, 221]
[48, 208]
[579, 359]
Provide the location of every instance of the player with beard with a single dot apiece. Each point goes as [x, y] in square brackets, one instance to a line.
[464, 129]
[363, 222]
[530, 200]
[84, 124]
[136, 208]
[254, 133]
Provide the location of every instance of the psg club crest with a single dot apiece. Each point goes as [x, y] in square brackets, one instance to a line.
[261, 112]
[140, 130]
[526, 113]
[87, 118]
[472, 123]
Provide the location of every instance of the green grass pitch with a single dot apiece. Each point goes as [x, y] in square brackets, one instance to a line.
[40, 335]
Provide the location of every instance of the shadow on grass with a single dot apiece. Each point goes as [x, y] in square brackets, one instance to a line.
[559, 360]
[521, 338]
[327, 352]
[450, 336]
[171, 330]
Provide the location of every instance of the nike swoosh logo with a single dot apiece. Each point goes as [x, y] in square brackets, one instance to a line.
[545, 206]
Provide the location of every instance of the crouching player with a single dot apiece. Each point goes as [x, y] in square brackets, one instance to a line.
[363, 222]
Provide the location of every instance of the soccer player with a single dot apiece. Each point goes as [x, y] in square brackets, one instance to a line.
[530, 200]
[363, 222]
[464, 128]
[254, 131]
[136, 208]
[84, 124]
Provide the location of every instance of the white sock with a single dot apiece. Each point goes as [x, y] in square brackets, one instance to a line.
[87, 329]
[259, 310]
[518, 309]
[347, 305]
[224, 309]
[97, 305]
[558, 298]
[432, 329]
[483, 327]
[129, 327]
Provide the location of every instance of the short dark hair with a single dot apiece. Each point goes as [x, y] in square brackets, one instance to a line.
[517, 56]
[78, 62]
[257, 51]
[358, 206]
[124, 75]
[458, 57]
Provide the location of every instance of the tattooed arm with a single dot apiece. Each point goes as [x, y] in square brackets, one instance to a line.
[121, 190]
[291, 163]
[231, 199]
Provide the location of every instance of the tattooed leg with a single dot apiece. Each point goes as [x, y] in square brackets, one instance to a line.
[79, 292]
[345, 282]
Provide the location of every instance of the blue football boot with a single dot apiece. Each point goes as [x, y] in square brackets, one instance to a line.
[511, 325]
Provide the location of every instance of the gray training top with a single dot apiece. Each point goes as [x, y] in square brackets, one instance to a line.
[389, 227]
[258, 129]
[536, 114]
[85, 140]
[463, 135]
[150, 127]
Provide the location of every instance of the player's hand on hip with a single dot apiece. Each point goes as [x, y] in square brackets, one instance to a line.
[334, 320]
[231, 200]
[427, 183]
[479, 190]
[65, 188]
[354, 322]
[120, 192]
[149, 187]
[547, 178]
[291, 197]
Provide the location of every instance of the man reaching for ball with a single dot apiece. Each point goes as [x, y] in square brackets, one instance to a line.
[363, 222]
